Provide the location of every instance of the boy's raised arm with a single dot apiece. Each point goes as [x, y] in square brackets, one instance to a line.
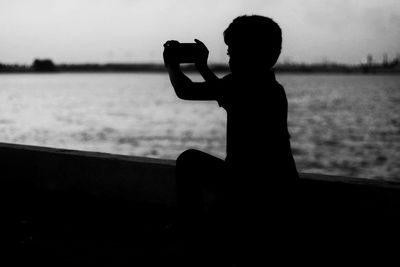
[202, 65]
[183, 86]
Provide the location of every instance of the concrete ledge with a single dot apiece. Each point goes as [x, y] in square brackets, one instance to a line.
[147, 181]
[67, 201]
[134, 179]
[66, 208]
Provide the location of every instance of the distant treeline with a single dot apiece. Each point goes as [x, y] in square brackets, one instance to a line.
[47, 65]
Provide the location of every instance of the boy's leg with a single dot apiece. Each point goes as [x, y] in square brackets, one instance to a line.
[196, 172]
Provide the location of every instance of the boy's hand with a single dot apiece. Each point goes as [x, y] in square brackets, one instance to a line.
[203, 54]
[169, 57]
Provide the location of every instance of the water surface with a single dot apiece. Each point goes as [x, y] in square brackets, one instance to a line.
[340, 124]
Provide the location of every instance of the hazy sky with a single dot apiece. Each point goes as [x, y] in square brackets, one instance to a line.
[78, 31]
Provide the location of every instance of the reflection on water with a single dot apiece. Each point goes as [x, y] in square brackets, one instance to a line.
[347, 125]
[340, 124]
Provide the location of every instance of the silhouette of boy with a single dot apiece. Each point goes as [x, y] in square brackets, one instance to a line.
[254, 184]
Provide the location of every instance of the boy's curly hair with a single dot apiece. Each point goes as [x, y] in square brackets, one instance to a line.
[256, 34]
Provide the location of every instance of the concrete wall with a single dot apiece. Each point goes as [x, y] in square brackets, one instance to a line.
[50, 197]
[66, 208]
[133, 179]
[28, 170]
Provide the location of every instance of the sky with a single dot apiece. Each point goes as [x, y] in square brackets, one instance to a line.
[99, 31]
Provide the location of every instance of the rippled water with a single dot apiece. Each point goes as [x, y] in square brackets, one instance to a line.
[340, 124]
[348, 125]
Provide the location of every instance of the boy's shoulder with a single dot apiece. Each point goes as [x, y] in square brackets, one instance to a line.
[227, 78]
[267, 80]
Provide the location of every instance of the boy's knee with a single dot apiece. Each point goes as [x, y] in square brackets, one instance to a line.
[186, 157]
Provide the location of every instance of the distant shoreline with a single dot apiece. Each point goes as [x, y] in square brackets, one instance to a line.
[50, 67]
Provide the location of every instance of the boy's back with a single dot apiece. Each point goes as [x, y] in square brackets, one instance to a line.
[257, 133]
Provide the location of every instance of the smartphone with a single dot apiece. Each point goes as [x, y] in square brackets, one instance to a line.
[187, 52]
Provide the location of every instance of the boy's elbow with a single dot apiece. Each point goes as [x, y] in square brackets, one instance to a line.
[182, 90]
[182, 94]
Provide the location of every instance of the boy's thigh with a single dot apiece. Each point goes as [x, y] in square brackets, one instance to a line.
[202, 165]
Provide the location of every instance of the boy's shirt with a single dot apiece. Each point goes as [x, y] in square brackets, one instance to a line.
[256, 119]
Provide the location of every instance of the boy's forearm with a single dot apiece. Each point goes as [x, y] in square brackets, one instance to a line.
[178, 79]
[206, 72]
